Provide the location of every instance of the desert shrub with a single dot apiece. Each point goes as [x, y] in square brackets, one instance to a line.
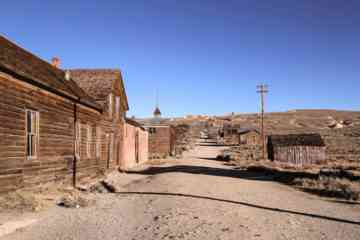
[330, 187]
[74, 201]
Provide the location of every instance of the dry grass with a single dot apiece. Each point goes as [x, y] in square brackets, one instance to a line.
[20, 200]
[330, 187]
[276, 166]
[37, 198]
[344, 165]
[311, 178]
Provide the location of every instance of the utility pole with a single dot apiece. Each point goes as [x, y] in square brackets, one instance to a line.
[262, 90]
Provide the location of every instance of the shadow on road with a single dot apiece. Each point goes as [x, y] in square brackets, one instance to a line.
[256, 173]
[344, 202]
[220, 172]
[213, 145]
[219, 159]
[311, 215]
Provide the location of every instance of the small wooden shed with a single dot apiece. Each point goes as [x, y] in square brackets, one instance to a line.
[233, 136]
[249, 136]
[298, 149]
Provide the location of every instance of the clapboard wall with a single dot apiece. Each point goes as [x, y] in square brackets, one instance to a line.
[56, 150]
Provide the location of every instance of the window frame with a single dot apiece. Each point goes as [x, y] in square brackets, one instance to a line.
[110, 105]
[111, 150]
[152, 130]
[117, 107]
[34, 152]
[88, 140]
[78, 139]
[98, 142]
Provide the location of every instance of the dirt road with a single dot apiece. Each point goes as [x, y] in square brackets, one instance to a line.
[199, 198]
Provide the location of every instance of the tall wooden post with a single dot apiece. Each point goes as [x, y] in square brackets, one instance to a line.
[75, 153]
[262, 89]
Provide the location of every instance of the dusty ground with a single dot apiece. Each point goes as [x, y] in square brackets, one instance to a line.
[199, 198]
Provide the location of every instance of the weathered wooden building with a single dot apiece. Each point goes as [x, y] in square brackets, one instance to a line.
[235, 135]
[56, 124]
[298, 149]
[106, 87]
[40, 108]
[249, 136]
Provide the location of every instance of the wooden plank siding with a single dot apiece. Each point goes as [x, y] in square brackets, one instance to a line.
[56, 145]
[297, 149]
[234, 138]
[299, 155]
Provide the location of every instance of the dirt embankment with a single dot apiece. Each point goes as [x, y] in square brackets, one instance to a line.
[337, 181]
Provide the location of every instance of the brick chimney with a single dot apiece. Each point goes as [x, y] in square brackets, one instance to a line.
[55, 61]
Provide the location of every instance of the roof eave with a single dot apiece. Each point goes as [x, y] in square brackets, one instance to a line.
[48, 88]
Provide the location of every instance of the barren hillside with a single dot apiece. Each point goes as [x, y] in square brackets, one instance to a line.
[340, 129]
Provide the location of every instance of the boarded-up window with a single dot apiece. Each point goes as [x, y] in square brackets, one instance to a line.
[111, 150]
[110, 105]
[98, 142]
[32, 133]
[77, 139]
[117, 107]
[88, 141]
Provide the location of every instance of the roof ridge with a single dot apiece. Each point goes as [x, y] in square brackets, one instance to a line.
[56, 74]
[40, 59]
[30, 53]
[94, 69]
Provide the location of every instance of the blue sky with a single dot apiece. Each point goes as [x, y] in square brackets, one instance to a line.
[203, 56]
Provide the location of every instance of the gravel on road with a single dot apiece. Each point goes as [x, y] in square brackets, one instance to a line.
[198, 197]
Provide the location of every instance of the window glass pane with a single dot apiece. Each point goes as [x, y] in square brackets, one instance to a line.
[33, 122]
[28, 116]
[32, 130]
[79, 131]
[78, 139]
[111, 145]
[88, 144]
[117, 106]
[110, 105]
[28, 148]
[98, 141]
[33, 145]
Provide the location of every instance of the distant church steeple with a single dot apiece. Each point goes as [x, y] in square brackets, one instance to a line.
[157, 112]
